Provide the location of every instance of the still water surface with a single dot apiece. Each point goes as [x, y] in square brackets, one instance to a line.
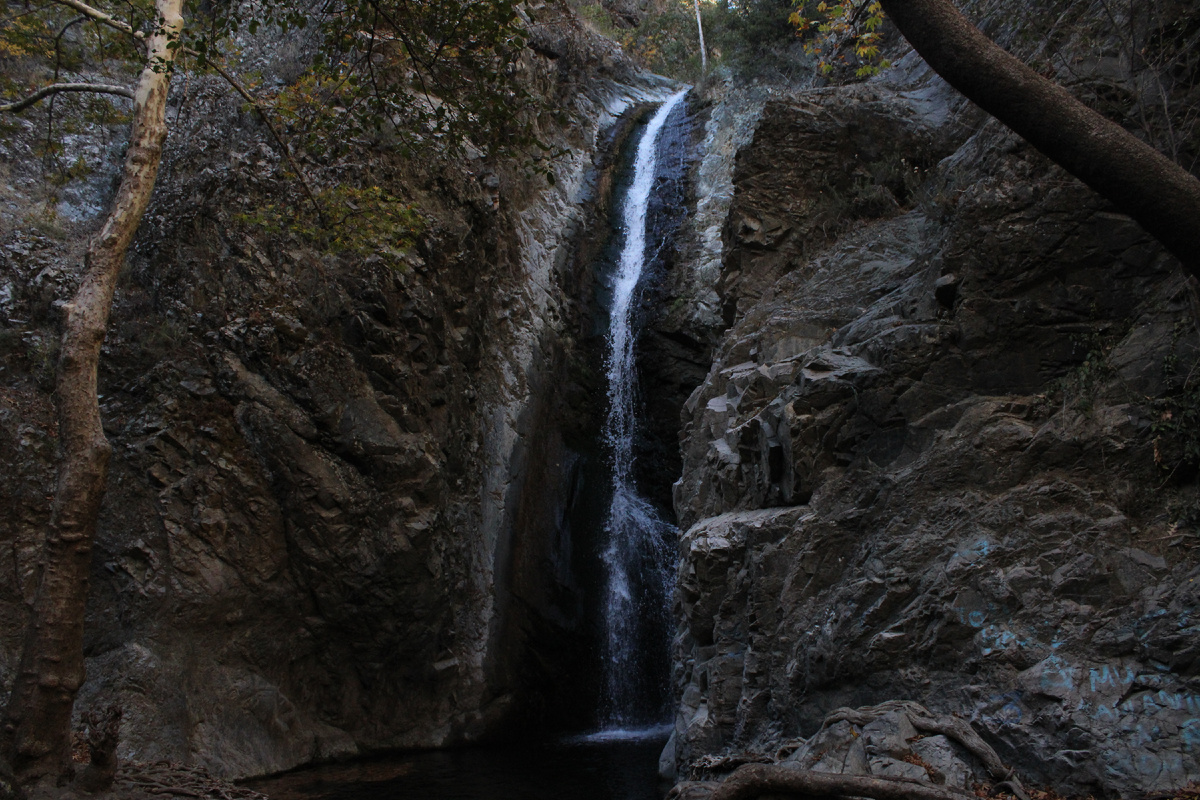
[610, 766]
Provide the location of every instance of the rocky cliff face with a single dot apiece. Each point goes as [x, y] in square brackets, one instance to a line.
[940, 456]
[335, 519]
[946, 451]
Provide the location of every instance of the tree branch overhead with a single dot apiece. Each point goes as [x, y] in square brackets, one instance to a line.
[57, 88]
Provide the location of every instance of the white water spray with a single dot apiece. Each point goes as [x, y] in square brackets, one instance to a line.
[637, 557]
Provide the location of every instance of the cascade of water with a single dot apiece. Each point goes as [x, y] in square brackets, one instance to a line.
[638, 554]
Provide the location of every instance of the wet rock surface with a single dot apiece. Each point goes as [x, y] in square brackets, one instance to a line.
[930, 461]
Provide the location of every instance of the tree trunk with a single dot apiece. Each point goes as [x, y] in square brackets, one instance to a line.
[36, 734]
[1143, 183]
[703, 50]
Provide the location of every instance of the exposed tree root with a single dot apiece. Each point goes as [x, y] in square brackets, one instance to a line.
[166, 780]
[729, 762]
[752, 781]
[103, 730]
[158, 781]
[951, 727]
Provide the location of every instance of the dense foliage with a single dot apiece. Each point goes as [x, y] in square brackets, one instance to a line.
[435, 77]
[440, 72]
[848, 33]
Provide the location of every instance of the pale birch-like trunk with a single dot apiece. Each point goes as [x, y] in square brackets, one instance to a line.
[36, 733]
[1141, 182]
[703, 49]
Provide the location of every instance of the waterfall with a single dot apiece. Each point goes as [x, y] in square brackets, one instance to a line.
[639, 553]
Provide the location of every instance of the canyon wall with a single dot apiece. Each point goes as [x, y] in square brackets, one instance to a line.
[336, 513]
[945, 452]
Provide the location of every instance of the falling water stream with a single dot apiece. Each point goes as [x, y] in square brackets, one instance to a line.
[638, 552]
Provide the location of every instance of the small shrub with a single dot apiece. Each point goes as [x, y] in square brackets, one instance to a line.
[358, 221]
[1081, 386]
[1177, 429]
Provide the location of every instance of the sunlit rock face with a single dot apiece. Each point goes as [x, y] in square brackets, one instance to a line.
[335, 519]
[935, 458]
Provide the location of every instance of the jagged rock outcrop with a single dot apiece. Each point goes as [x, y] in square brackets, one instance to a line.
[335, 517]
[939, 456]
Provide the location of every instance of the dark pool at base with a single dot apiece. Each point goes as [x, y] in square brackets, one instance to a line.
[583, 768]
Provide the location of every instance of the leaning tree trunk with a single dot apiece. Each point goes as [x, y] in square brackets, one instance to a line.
[1143, 183]
[36, 734]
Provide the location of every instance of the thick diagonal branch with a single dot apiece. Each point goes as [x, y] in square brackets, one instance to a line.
[1143, 183]
[56, 88]
[283, 146]
[101, 17]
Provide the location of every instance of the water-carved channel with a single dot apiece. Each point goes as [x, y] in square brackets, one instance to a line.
[639, 551]
[613, 753]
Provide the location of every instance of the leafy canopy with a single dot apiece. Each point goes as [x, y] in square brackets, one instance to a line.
[428, 76]
[425, 72]
[433, 72]
[841, 30]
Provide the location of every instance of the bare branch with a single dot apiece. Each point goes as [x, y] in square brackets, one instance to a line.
[287, 151]
[100, 16]
[25, 13]
[58, 43]
[56, 88]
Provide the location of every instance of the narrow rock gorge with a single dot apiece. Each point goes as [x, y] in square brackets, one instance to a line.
[923, 406]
